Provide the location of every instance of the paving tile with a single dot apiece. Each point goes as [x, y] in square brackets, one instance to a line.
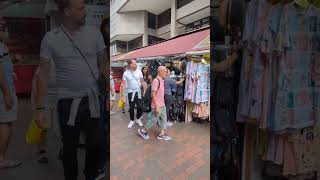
[158, 160]
[201, 173]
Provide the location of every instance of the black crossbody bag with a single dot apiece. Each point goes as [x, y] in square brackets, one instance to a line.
[101, 80]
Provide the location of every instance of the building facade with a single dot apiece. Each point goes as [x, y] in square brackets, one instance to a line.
[139, 23]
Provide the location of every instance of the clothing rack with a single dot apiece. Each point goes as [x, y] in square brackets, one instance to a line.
[251, 164]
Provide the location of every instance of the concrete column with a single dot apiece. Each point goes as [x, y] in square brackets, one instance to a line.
[173, 29]
[145, 31]
[127, 47]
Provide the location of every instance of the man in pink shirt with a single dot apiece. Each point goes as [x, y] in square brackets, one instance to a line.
[158, 113]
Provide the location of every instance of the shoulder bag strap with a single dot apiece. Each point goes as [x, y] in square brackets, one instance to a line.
[80, 52]
[135, 78]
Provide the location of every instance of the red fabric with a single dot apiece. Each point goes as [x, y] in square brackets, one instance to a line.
[173, 46]
[24, 74]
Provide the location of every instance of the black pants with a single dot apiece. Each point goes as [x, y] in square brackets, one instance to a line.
[95, 132]
[138, 102]
[168, 100]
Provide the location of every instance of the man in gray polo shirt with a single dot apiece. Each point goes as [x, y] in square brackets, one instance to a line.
[80, 105]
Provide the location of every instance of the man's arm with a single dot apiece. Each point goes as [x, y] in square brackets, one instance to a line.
[102, 62]
[154, 88]
[102, 56]
[123, 87]
[154, 99]
[42, 83]
[180, 81]
[226, 64]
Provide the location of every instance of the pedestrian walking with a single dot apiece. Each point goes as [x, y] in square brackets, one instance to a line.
[158, 112]
[147, 97]
[133, 82]
[79, 54]
[8, 99]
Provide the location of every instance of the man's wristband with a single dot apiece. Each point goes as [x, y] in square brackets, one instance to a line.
[41, 108]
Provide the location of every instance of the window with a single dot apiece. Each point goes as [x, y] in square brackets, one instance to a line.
[113, 48]
[121, 46]
[152, 21]
[164, 18]
[198, 24]
[135, 43]
[153, 40]
[181, 3]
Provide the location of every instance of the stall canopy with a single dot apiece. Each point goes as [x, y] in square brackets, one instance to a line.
[24, 10]
[196, 41]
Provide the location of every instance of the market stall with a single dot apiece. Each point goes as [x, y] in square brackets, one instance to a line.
[181, 55]
[26, 26]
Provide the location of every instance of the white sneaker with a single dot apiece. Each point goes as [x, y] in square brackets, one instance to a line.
[138, 121]
[112, 113]
[131, 123]
[169, 123]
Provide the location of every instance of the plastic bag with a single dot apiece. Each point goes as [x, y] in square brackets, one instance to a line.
[120, 104]
[34, 133]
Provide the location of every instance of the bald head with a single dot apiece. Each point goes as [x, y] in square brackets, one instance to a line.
[162, 71]
[161, 68]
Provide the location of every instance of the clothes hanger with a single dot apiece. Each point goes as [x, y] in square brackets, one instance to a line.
[274, 2]
[301, 3]
[315, 3]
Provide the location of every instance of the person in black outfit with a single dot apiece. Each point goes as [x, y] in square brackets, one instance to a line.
[147, 97]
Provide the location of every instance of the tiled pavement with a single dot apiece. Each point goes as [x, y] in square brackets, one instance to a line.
[20, 150]
[187, 156]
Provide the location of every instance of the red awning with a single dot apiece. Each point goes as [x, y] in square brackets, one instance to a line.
[175, 46]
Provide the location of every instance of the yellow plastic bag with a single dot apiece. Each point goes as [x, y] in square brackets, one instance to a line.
[120, 104]
[34, 133]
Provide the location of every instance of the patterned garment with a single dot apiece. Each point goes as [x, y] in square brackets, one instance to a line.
[267, 46]
[190, 81]
[197, 86]
[297, 99]
[194, 81]
[203, 87]
[251, 84]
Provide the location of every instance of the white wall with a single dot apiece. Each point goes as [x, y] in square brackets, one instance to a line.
[116, 5]
[127, 23]
[192, 7]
